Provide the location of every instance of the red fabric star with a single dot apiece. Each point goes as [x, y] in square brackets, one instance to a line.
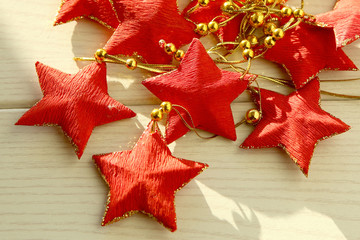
[303, 53]
[98, 10]
[145, 179]
[77, 103]
[345, 20]
[145, 23]
[295, 123]
[203, 89]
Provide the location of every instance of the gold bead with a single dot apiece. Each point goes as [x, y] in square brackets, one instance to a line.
[252, 116]
[245, 44]
[170, 48]
[203, 3]
[299, 13]
[269, 28]
[248, 54]
[166, 107]
[228, 7]
[270, 1]
[100, 54]
[269, 42]
[156, 114]
[253, 40]
[213, 26]
[257, 19]
[131, 64]
[278, 34]
[201, 29]
[179, 54]
[286, 12]
[162, 43]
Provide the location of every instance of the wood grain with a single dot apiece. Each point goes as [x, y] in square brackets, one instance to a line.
[46, 193]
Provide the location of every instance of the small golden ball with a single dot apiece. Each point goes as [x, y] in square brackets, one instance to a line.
[245, 44]
[252, 116]
[299, 13]
[269, 42]
[248, 54]
[270, 1]
[100, 54]
[166, 107]
[228, 7]
[170, 48]
[179, 54]
[278, 34]
[202, 29]
[286, 12]
[257, 19]
[269, 28]
[213, 26]
[131, 63]
[156, 115]
[203, 3]
[254, 41]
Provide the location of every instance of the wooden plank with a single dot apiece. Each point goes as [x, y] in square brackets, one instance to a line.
[46, 193]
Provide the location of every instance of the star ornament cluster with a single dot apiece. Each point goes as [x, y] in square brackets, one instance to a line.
[75, 102]
[145, 179]
[295, 123]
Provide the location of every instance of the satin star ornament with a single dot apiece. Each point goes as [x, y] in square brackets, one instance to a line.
[203, 89]
[345, 18]
[295, 123]
[98, 10]
[145, 23]
[303, 54]
[77, 103]
[145, 179]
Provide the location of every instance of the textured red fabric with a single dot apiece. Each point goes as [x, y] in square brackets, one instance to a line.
[345, 18]
[295, 123]
[306, 50]
[98, 10]
[77, 103]
[145, 23]
[145, 179]
[203, 89]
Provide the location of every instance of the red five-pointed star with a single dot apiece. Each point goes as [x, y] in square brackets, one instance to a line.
[345, 18]
[98, 10]
[145, 180]
[306, 50]
[294, 122]
[77, 103]
[145, 23]
[203, 89]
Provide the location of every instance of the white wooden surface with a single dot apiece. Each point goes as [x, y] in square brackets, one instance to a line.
[46, 193]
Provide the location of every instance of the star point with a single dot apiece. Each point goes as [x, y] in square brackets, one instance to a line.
[344, 18]
[97, 10]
